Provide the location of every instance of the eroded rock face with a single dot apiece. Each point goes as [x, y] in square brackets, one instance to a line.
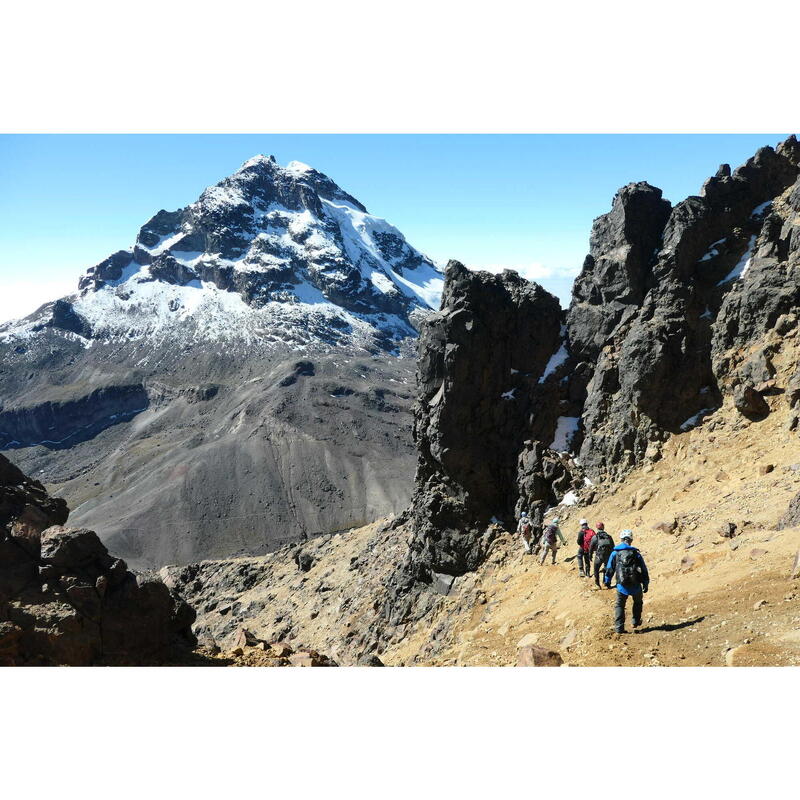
[669, 301]
[479, 399]
[65, 600]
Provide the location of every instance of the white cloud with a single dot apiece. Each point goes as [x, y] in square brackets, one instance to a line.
[534, 271]
[21, 297]
[557, 280]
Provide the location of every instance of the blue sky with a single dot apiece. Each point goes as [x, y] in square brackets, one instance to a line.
[520, 201]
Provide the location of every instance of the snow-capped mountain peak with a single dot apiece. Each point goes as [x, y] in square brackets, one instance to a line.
[270, 252]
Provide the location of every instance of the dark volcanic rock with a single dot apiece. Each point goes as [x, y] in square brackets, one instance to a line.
[65, 600]
[661, 314]
[659, 331]
[479, 400]
[617, 271]
[750, 402]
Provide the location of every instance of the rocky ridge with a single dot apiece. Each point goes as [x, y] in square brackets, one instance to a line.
[689, 291]
[675, 310]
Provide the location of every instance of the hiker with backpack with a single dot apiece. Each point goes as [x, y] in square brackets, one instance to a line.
[525, 531]
[600, 550]
[585, 536]
[550, 538]
[627, 564]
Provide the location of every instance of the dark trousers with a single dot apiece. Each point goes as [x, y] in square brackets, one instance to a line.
[599, 564]
[584, 563]
[619, 610]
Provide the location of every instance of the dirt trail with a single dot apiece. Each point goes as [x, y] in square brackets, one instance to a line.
[712, 600]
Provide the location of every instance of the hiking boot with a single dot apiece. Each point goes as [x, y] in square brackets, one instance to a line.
[622, 631]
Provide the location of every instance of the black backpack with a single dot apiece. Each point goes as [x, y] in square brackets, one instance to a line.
[629, 570]
[605, 544]
[550, 534]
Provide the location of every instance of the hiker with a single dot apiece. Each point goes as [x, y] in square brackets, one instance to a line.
[600, 549]
[627, 564]
[525, 531]
[585, 536]
[550, 538]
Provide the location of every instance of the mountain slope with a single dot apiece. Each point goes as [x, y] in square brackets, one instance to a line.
[672, 379]
[713, 599]
[254, 343]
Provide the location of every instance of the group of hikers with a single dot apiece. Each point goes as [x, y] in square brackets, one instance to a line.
[596, 553]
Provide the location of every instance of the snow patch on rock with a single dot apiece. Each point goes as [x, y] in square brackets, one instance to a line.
[740, 270]
[566, 428]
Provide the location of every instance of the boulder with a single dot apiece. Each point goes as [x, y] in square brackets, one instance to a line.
[569, 639]
[303, 560]
[73, 603]
[749, 402]
[73, 548]
[244, 638]
[758, 369]
[666, 526]
[728, 530]
[793, 390]
[280, 649]
[370, 660]
[687, 562]
[791, 517]
[785, 323]
[310, 658]
[641, 498]
[535, 656]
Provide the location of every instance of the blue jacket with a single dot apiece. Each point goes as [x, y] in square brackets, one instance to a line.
[611, 569]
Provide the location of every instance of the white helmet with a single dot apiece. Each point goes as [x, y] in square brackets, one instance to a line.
[584, 522]
[555, 521]
[524, 514]
[626, 534]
